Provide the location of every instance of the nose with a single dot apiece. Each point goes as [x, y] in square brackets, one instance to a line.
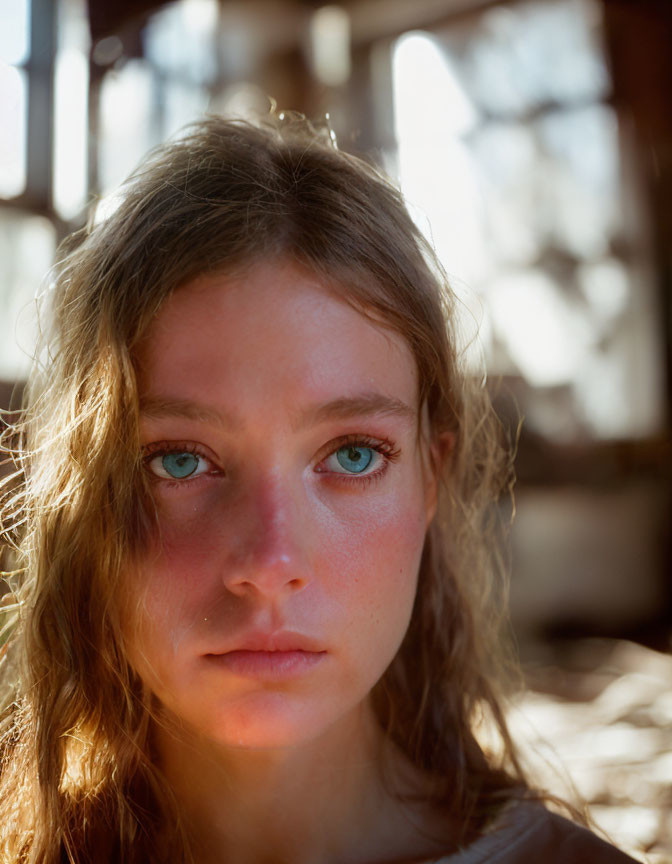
[269, 554]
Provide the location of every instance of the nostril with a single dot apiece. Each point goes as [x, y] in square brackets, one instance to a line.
[264, 581]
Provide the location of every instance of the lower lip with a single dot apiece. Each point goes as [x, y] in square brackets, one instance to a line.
[270, 665]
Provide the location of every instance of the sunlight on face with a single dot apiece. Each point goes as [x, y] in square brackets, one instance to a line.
[280, 433]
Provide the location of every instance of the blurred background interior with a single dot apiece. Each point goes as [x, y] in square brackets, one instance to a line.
[533, 140]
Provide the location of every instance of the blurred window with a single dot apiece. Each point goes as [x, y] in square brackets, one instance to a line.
[15, 32]
[71, 91]
[508, 150]
[329, 45]
[145, 100]
[27, 246]
[180, 41]
[125, 118]
[195, 57]
[43, 167]
[14, 53]
[14, 101]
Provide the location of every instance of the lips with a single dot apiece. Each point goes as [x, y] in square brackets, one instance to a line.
[280, 640]
[271, 656]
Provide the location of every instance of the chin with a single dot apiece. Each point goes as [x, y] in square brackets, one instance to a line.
[266, 721]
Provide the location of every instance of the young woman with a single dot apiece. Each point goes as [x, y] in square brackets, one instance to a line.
[255, 602]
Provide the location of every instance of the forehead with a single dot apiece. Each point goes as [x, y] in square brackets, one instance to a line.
[272, 335]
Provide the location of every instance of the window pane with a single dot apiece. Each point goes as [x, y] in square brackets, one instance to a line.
[520, 57]
[70, 149]
[180, 40]
[330, 45]
[13, 108]
[182, 104]
[126, 114]
[27, 246]
[581, 166]
[15, 31]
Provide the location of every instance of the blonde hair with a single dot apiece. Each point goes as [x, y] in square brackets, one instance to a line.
[76, 749]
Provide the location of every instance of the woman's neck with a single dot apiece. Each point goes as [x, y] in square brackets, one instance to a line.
[323, 802]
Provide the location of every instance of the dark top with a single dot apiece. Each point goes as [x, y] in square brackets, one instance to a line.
[527, 833]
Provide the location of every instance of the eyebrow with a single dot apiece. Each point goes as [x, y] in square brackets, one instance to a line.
[161, 407]
[345, 407]
[364, 404]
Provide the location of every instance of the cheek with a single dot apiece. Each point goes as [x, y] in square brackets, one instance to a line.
[374, 587]
[191, 532]
[373, 552]
[165, 586]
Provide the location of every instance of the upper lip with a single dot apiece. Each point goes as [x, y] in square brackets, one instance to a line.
[279, 640]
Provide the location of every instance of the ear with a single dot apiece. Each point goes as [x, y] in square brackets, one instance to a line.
[441, 445]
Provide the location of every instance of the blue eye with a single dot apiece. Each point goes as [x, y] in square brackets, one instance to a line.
[180, 465]
[354, 460]
[359, 456]
[177, 465]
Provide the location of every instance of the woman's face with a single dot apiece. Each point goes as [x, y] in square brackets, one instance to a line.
[280, 433]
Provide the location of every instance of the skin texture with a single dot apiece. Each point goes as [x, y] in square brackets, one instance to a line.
[256, 374]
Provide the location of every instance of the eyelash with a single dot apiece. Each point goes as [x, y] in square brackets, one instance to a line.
[380, 445]
[162, 448]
